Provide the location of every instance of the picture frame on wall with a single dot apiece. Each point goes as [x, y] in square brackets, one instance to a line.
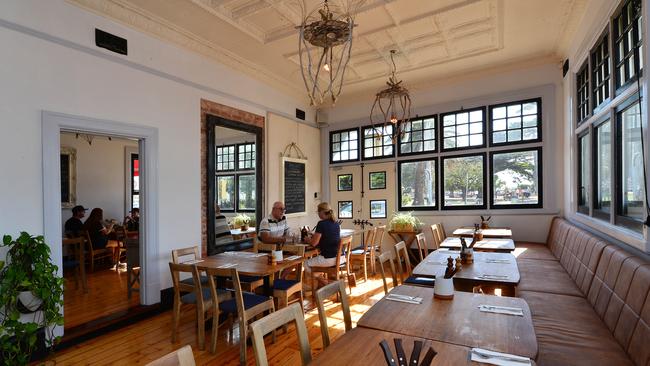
[377, 180]
[344, 182]
[345, 210]
[68, 177]
[378, 209]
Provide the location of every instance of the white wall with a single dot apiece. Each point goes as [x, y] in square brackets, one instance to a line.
[50, 63]
[100, 175]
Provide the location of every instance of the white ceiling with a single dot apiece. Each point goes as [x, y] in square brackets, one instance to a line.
[435, 39]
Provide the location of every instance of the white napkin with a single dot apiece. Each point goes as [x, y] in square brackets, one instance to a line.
[497, 358]
[193, 261]
[404, 298]
[497, 261]
[501, 310]
[227, 265]
[292, 258]
[493, 277]
[261, 255]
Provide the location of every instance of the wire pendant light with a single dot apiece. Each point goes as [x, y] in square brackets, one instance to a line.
[394, 103]
[324, 47]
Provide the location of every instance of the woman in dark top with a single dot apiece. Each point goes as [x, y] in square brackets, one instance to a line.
[94, 225]
[326, 237]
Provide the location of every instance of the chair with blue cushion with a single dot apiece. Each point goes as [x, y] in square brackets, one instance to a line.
[201, 297]
[402, 255]
[387, 257]
[75, 260]
[290, 284]
[363, 253]
[188, 255]
[336, 288]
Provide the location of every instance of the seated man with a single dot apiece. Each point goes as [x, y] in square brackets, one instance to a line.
[74, 225]
[274, 228]
[132, 222]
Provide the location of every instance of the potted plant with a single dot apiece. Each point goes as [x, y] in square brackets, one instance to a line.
[242, 221]
[404, 222]
[28, 284]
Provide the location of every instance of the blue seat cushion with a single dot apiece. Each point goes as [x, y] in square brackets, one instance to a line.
[282, 284]
[67, 264]
[190, 281]
[250, 300]
[422, 281]
[244, 278]
[190, 298]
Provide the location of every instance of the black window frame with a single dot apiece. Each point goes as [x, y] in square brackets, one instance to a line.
[370, 209]
[251, 160]
[234, 184]
[601, 45]
[435, 185]
[442, 183]
[435, 137]
[332, 133]
[540, 178]
[597, 212]
[237, 177]
[383, 146]
[441, 141]
[234, 157]
[586, 134]
[634, 51]
[583, 88]
[338, 210]
[491, 108]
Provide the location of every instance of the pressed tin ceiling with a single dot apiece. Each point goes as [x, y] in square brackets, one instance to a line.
[435, 39]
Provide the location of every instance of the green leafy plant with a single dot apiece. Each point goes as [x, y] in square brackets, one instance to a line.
[27, 268]
[404, 222]
[241, 220]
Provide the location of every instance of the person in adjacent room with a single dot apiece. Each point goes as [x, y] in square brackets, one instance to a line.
[74, 225]
[274, 228]
[132, 222]
[94, 225]
[326, 237]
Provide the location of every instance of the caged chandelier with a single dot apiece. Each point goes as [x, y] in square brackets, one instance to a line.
[394, 103]
[324, 47]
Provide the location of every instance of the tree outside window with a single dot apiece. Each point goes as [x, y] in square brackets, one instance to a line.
[464, 181]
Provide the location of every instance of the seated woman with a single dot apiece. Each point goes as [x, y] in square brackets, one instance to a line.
[94, 225]
[326, 237]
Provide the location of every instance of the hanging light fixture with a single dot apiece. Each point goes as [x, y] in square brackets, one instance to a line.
[324, 47]
[394, 103]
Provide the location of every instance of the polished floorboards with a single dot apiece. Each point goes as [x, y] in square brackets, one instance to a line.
[150, 339]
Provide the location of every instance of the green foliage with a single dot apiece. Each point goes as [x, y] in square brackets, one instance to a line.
[403, 219]
[241, 219]
[464, 175]
[28, 268]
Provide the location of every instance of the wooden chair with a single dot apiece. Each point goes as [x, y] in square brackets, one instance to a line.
[439, 232]
[263, 247]
[193, 254]
[76, 253]
[335, 288]
[421, 243]
[279, 318]
[284, 288]
[181, 357]
[96, 254]
[364, 253]
[434, 235]
[376, 246]
[247, 306]
[402, 254]
[132, 245]
[199, 296]
[383, 258]
[334, 272]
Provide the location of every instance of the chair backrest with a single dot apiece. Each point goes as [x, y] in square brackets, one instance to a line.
[74, 246]
[298, 250]
[178, 253]
[221, 230]
[212, 274]
[345, 250]
[176, 269]
[267, 324]
[84, 234]
[379, 237]
[435, 236]
[441, 232]
[421, 242]
[402, 254]
[181, 357]
[383, 258]
[369, 239]
[324, 293]
[263, 247]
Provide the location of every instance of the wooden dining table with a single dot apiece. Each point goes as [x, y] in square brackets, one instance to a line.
[457, 321]
[489, 269]
[503, 245]
[493, 232]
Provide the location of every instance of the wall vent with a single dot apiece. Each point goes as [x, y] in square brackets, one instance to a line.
[110, 42]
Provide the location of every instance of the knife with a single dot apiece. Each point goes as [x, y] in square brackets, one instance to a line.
[415, 355]
[428, 358]
[401, 357]
[390, 361]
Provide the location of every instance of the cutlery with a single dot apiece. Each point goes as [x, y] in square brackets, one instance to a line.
[404, 296]
[398, 299]
[500, 356]
[227, 265]
[492, 276]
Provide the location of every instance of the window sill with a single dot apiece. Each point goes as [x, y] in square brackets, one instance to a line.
[492, 212]
[625, 235]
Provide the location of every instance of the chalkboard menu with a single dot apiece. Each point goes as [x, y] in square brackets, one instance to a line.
[294, 179]
[65, 178]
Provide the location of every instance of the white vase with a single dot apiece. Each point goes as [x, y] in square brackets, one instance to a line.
[443, 288]
[277, 254]
[29, 301]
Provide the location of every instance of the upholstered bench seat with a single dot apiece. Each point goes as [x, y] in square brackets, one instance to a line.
[545, 276]
[526, 250]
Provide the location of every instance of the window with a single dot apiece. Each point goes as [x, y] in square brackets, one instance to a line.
[631, 194]
[135, 181]
[246, 192]
[516, 178]
[225, 158]
[417, 184]
[628, 45]
[518, 122]
[600, 72]
[344, 145]
[463, 182]
[419, 136]
[584, 161]
[246, 156]
[226, 192]
[582, 94]
[463, 129]
[345, 209]
[377, 142]
[603, 173]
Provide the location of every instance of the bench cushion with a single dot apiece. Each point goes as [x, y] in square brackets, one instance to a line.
[545, 276]
[525, 250]
[569, 332]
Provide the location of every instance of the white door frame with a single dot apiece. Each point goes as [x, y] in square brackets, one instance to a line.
[52, 125]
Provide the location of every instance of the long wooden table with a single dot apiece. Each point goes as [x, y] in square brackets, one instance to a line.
[493, 270]
[457, 321]
[502, 245]
[493, 232]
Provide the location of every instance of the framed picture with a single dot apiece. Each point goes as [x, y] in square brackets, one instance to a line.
[378, 209]
[344, 182]
[377, 180]
[68, 177]
[345, 209]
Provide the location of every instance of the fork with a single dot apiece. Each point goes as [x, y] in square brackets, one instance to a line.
[516, 359]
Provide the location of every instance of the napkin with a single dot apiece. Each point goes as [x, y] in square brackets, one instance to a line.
[227, 265]
[261, 255]
[404, 298]
[497, 261]
[497, 358]
[501, 310]
[493, 277]
[292, 258]
[193, 261]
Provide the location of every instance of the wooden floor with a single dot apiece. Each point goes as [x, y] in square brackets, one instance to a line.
[106, 295]
[150, 339]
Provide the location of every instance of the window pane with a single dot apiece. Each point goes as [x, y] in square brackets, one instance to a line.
[603, 172]
[584, 185]
[521, 125]
[225, 191]
[246, 192]
[377, 141]
[466, 126]
[632, 183]
[344, 146]
[515, 178]
[582, 92]
[463, 181]
[418, 183]
[225, 157]
[627, 40]
[246, 156]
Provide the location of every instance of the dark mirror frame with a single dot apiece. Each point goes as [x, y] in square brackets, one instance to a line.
[212, 122]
